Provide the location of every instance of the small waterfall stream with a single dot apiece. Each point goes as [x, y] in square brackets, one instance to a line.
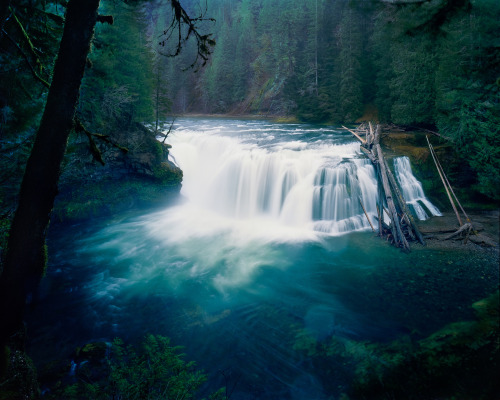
[412, 190]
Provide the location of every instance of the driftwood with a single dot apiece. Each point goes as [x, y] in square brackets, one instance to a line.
[355, 134]
[467, 227]
[397, 233]
[402, 224]
[441, 173]
[366, 214]
[464, 228]
[408, 217]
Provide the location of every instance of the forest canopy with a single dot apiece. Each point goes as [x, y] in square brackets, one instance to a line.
[433, 64]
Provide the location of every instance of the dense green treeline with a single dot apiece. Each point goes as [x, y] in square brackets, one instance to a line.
[434, 64]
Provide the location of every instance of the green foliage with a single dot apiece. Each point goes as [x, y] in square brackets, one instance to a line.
[168, 174]
[158, 371]
[350, 57]
[412, 85]
[155, 370]
[465, 352]
[118, 90]
[28, 44]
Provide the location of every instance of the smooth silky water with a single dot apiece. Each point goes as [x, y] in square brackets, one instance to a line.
[267, 251]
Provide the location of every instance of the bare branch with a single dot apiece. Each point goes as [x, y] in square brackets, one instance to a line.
[180, 20]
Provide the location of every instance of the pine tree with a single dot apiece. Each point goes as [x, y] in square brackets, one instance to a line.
[351, 52]
[412, 85]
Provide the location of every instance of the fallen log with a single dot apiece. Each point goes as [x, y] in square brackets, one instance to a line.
[404, 208]
[369, 154]
[395, 226]
[463, 228]
[402, 224]
[355, 134]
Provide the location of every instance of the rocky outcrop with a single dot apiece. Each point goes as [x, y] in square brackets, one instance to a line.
[141, 175]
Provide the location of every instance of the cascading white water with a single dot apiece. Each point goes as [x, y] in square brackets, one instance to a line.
[315, 185]
[412, 190]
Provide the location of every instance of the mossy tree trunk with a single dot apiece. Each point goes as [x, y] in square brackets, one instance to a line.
[25, 257]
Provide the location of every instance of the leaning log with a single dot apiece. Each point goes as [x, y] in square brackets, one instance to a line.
[444, 182]
[404, 208]
[395, 226]
[355, 134]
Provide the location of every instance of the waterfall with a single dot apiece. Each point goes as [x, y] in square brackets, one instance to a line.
[311, 180]
[314, 186]
[412, 190]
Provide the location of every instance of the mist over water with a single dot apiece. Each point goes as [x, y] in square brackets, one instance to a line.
[267, 248]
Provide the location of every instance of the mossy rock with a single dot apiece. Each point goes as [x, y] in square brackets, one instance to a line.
[93, 352]
[168, 174]
[107, 197]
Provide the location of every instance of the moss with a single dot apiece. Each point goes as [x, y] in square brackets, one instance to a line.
[20, 378]
[93, 352]
[44, 258]
[4, 360]
[168, 174]
[305, 342]
[464, 351]
[290, 119]
[107, 197]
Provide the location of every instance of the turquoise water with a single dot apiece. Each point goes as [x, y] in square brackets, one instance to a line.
[251, 290]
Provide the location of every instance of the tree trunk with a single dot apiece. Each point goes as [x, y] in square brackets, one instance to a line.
[25, 258]
[395, 227]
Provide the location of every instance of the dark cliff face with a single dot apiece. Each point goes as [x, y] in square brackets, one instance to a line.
[144, 158]
[141, 176]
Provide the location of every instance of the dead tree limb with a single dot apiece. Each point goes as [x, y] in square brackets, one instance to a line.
[395, 227]
[366, 214]
[438, 164]
[463, 228]
[444, 182]
[404, 208]
[355, 134]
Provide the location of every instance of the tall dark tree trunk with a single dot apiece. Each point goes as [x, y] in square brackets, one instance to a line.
[25, 257]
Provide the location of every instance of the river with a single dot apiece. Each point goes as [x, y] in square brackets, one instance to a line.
[266, 256]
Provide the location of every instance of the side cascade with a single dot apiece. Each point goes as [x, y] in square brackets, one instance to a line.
[412, 190]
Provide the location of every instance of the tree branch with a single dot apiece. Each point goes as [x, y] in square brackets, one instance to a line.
[26, 58]
[96, 153]
[181, 18]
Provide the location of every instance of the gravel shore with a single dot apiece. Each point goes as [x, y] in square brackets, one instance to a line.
[486, 225]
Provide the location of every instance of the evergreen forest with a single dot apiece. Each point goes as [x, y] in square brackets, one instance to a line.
[431, 64]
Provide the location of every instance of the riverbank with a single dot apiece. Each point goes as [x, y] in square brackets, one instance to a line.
[484, 222]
